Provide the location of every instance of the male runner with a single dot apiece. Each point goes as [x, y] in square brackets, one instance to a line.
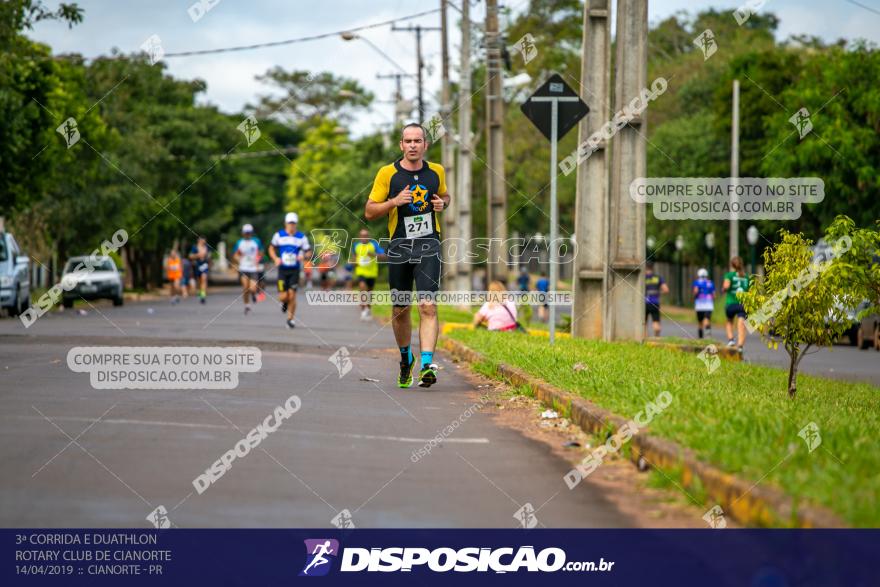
[655, 286]
[286, 249]
[201, 261]
[248, 251]
[411, 192]
[366, 268]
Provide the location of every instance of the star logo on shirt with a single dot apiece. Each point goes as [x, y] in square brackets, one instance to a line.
[420, 201]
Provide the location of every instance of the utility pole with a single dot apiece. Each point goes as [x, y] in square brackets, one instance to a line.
[463, 169]
[591, 206]
[398, 96]
[626, 286]
[734, 169]
[496, 195]
[447, 147]
[420, 65]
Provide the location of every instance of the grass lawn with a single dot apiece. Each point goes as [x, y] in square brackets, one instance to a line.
[446, 314]
[739, 418]
[454, 315]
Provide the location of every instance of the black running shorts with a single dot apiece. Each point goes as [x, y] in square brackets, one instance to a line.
[413, 261]
[288, 278]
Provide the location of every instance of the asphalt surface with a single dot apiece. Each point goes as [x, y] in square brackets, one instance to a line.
[79, 456]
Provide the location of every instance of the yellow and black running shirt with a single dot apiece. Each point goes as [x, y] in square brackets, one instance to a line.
[416, 219]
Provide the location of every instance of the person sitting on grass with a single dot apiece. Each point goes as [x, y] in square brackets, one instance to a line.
[496, 314]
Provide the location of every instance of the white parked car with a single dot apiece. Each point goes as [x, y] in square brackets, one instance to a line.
[96, 279]
[15, 292]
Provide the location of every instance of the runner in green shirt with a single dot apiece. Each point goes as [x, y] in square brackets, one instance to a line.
[735, 281]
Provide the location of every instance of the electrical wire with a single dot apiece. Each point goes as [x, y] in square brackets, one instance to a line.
[300, 39]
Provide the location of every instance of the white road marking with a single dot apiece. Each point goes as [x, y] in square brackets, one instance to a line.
[451, 440]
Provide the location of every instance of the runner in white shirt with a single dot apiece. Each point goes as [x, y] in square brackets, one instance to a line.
[248, 252]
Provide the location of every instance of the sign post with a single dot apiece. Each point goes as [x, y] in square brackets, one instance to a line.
[555, 109]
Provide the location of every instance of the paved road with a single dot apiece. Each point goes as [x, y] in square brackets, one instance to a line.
[77, 456]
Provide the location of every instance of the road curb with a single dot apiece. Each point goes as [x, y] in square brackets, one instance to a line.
[747, 503]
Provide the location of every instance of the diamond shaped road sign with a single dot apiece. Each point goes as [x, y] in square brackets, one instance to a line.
[540, 111]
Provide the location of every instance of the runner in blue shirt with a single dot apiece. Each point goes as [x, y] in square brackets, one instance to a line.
[704, 302]
[523, 280]
[201, 262]
[287, 249]
[543, 286]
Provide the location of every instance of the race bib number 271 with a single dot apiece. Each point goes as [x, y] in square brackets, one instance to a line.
[417, 226]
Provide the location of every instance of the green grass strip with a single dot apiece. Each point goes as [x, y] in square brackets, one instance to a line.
[739, 418]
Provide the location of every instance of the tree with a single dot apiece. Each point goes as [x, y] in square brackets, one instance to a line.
[18, 15]
[837, 87]
[310, 96]
[308, 189]
[800, 301]
[859, 267]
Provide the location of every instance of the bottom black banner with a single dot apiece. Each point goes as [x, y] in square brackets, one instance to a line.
[757, 558]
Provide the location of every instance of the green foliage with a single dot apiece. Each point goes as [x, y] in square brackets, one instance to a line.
[858, 269]
[798, 300]
[18, 15]
[309, 192]
[837, 86]
[308, 96]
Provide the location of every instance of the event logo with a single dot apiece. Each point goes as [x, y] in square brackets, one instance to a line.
[320, 553]
[420, 198]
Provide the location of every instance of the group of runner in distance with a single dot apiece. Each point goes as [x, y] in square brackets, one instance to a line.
[410, 192]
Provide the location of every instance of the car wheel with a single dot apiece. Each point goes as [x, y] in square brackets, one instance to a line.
[67, 303]
[877, 338]
[118, 301]
[853, 335]
[15, 308]
[861, 342]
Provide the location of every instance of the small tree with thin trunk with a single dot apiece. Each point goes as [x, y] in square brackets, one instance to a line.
[799, 302]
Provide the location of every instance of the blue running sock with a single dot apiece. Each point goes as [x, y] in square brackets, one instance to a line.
[406, 354]
[427, 358]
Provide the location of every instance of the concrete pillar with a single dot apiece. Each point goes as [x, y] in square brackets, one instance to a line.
[591, 205]
[625, 315]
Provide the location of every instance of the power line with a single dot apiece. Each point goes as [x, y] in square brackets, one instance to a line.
[300, 39]
[868, 8]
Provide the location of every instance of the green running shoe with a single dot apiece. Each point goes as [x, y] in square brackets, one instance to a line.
[428, 376]
[405, 379]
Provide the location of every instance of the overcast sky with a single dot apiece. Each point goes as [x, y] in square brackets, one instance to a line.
[230, 76]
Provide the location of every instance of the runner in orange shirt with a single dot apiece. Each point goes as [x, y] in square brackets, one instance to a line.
[174, 273]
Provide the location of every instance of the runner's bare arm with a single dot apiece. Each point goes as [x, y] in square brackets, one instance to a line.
[376, 209]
